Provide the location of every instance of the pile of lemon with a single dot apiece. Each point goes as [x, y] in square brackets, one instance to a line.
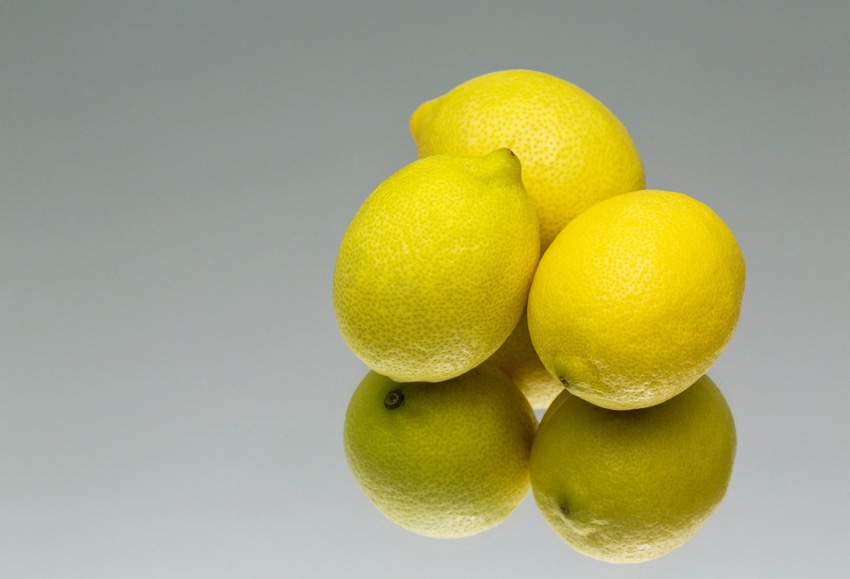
[520, 263]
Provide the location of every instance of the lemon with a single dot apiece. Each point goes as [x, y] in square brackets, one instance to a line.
[434, 269]
[444, 460]
[517, 358]
[629, 486]
[574, 151]
[636, 298]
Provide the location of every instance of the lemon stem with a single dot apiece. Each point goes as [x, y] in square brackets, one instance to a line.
[393, 400]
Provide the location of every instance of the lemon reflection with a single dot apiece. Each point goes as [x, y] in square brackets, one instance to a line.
[446, 459]
[629, 486]
[455, 458]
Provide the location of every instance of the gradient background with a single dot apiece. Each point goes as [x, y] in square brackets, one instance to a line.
[175, 178]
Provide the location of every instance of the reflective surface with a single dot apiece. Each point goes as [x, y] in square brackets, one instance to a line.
[175, 179]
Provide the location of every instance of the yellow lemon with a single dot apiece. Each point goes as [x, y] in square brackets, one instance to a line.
[517, 358]
[445, 460]
[636, 298]
[574, 151]
[433, 272]
[629, 486]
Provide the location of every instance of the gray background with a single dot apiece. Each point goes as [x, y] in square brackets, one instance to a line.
[175, 178]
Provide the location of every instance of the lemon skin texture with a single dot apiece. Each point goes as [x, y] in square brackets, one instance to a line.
[517, 358]
[444, 460]
[637, 298]
[574, 151]
[630, 486]
[434, 269]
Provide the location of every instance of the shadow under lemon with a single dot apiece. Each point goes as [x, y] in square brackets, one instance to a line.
[452, 459]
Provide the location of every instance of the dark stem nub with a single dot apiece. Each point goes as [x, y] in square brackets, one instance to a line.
[564, 381]
[393, 400]
[565, 510]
